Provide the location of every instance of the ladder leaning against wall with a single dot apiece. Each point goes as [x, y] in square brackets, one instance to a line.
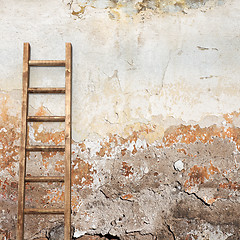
[66, 211]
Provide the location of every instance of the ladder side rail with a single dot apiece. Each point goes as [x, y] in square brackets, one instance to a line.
[22, 163]
[67, 194]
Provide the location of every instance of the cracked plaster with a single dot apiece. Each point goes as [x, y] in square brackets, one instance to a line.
[151, 86]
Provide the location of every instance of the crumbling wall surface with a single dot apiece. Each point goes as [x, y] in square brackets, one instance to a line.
[156, 118]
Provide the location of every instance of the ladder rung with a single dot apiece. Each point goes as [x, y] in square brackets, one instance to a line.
[43, 211]
[46, 118]
[46, 90]
[47, 63]
[37, 148]
[44, 179]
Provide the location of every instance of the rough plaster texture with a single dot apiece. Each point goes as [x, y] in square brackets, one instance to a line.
[156, 119]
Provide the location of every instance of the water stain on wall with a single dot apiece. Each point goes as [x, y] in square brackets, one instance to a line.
[118, 8]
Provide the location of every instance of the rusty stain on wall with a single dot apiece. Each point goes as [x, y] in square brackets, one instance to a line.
[44, 136]
[193, 133]
[82, 173]
[127, 196]
[127, 170]
[230, 185]
[199, 175]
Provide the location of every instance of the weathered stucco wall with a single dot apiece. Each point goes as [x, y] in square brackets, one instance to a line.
[156, 117]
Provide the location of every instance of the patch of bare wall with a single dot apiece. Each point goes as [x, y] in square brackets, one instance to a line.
[156, 118]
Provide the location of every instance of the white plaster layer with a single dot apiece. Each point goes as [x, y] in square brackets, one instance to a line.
[128, 70]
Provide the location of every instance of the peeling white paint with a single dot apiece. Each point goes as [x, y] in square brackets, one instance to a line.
[178, 165]
[3, 130]
[208, 231]
[78, 233]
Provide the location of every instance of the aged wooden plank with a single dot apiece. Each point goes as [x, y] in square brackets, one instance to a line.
[22, 162]
[44, 211]
[46, 118]
[67, 195]
[41, 148]
[47, 63]
[46, 90]
[44, 179]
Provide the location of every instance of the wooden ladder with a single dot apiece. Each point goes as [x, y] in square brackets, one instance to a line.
[66, 211]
